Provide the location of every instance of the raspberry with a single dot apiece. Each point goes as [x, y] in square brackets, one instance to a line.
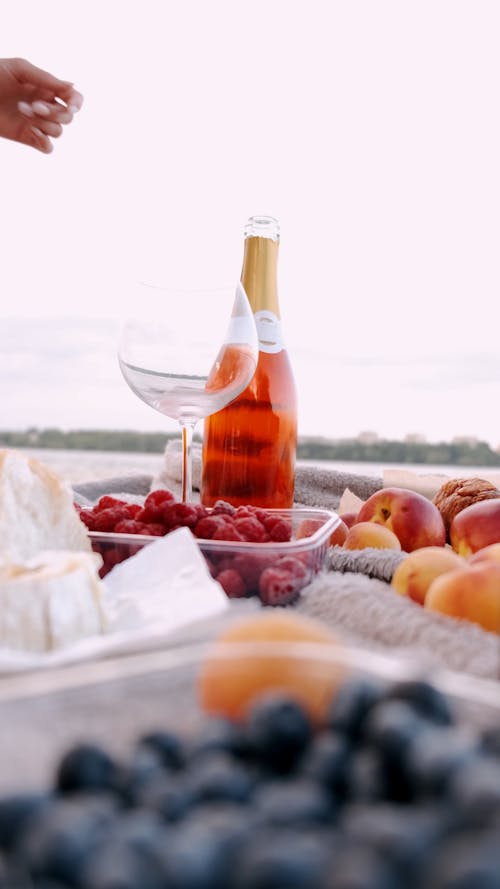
[148, 514]
[206, 527]
[281, 531]
[278, 587]
[88, 518]
[227, 532]
[159, 498]
[232, 583]
[179, 515]
[294, 565]
[220, 507]
[109, 518]
[133, 509]
[108, 502]
[154, 529]
[245, 512]
[130, 526]
[251, 566]
[251, 529]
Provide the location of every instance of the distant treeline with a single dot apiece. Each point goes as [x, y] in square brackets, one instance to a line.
[456, 453]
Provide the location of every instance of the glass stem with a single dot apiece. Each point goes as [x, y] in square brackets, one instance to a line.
[187, 461]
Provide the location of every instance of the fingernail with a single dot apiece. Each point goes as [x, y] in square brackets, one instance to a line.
[38, 133]
[41, 108]
[26, 109]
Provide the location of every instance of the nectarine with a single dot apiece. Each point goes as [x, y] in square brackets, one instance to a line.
[369, 534]
[471, 593]
[414, 575]
[475, 527]
[413, 518]
[489, 553]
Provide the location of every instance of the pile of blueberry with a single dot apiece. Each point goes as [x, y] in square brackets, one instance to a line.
[391, 793]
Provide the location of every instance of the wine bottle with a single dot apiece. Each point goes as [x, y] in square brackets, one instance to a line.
[249, 447]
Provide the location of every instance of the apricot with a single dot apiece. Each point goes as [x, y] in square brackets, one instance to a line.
[471, 593]
[369, 534]
[414, 575]
[257, 655]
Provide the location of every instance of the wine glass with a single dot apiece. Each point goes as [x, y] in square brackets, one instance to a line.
[188, 354]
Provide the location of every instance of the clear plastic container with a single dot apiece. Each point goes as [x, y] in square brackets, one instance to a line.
[249, 559]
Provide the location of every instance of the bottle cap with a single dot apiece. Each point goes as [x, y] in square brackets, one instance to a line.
[263, 227]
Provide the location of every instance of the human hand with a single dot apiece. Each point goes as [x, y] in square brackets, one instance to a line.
[34, 105]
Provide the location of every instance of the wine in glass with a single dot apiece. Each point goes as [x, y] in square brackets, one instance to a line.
[175, 356]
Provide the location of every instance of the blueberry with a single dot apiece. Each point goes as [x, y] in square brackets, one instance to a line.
[170, 796]
[87, 767]
[219, 777]
[401, 835]
[432, 759]
[16, 812]
[203, 849]
[366, 779]
[282, 859]
[355, 866]
[58, 841]
[475, 791]
[291, 803]
[351, 705]
[221, 736]
[427, 700]
[490, 740]
[137, 777]
[391, 726]
[469, 861]
[327, 762]
[131, 857]
[166, 746]
[279, 731]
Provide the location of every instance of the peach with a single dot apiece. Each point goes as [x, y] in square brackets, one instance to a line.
[414, 575]
[471, 593]
[369, 534]
[266, 652]
[414, 519]
[486, 554]
[475, 527]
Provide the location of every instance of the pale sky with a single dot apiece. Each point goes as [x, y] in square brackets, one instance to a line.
[369, 129]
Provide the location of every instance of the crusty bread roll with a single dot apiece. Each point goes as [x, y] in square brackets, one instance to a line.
[50, 601]
[36, 510]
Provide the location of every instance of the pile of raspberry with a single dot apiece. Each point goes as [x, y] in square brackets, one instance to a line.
[277, 580]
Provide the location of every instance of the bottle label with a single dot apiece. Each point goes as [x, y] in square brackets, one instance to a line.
[268, 331]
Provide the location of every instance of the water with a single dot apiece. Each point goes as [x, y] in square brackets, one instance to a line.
[82, 466]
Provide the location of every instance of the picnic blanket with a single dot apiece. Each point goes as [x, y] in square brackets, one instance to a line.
[353, 594]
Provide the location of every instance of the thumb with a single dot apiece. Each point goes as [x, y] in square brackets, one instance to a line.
[29, 74]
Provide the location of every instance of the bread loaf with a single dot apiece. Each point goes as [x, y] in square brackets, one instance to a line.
[50, 601]
[36, 510]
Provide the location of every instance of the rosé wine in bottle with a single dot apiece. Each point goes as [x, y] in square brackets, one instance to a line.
[249, 446]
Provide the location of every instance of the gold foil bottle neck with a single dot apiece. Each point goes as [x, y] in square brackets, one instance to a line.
[260, 263]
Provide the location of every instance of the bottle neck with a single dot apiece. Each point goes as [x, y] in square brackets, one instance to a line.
[259, 273]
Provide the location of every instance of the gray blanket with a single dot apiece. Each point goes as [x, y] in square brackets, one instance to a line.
[353, 595]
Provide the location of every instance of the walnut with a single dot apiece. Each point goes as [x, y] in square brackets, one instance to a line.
[458, 493]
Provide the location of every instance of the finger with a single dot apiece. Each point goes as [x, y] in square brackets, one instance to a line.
[40, 141]
[48, 128]
[45, 111]
[52, 111]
